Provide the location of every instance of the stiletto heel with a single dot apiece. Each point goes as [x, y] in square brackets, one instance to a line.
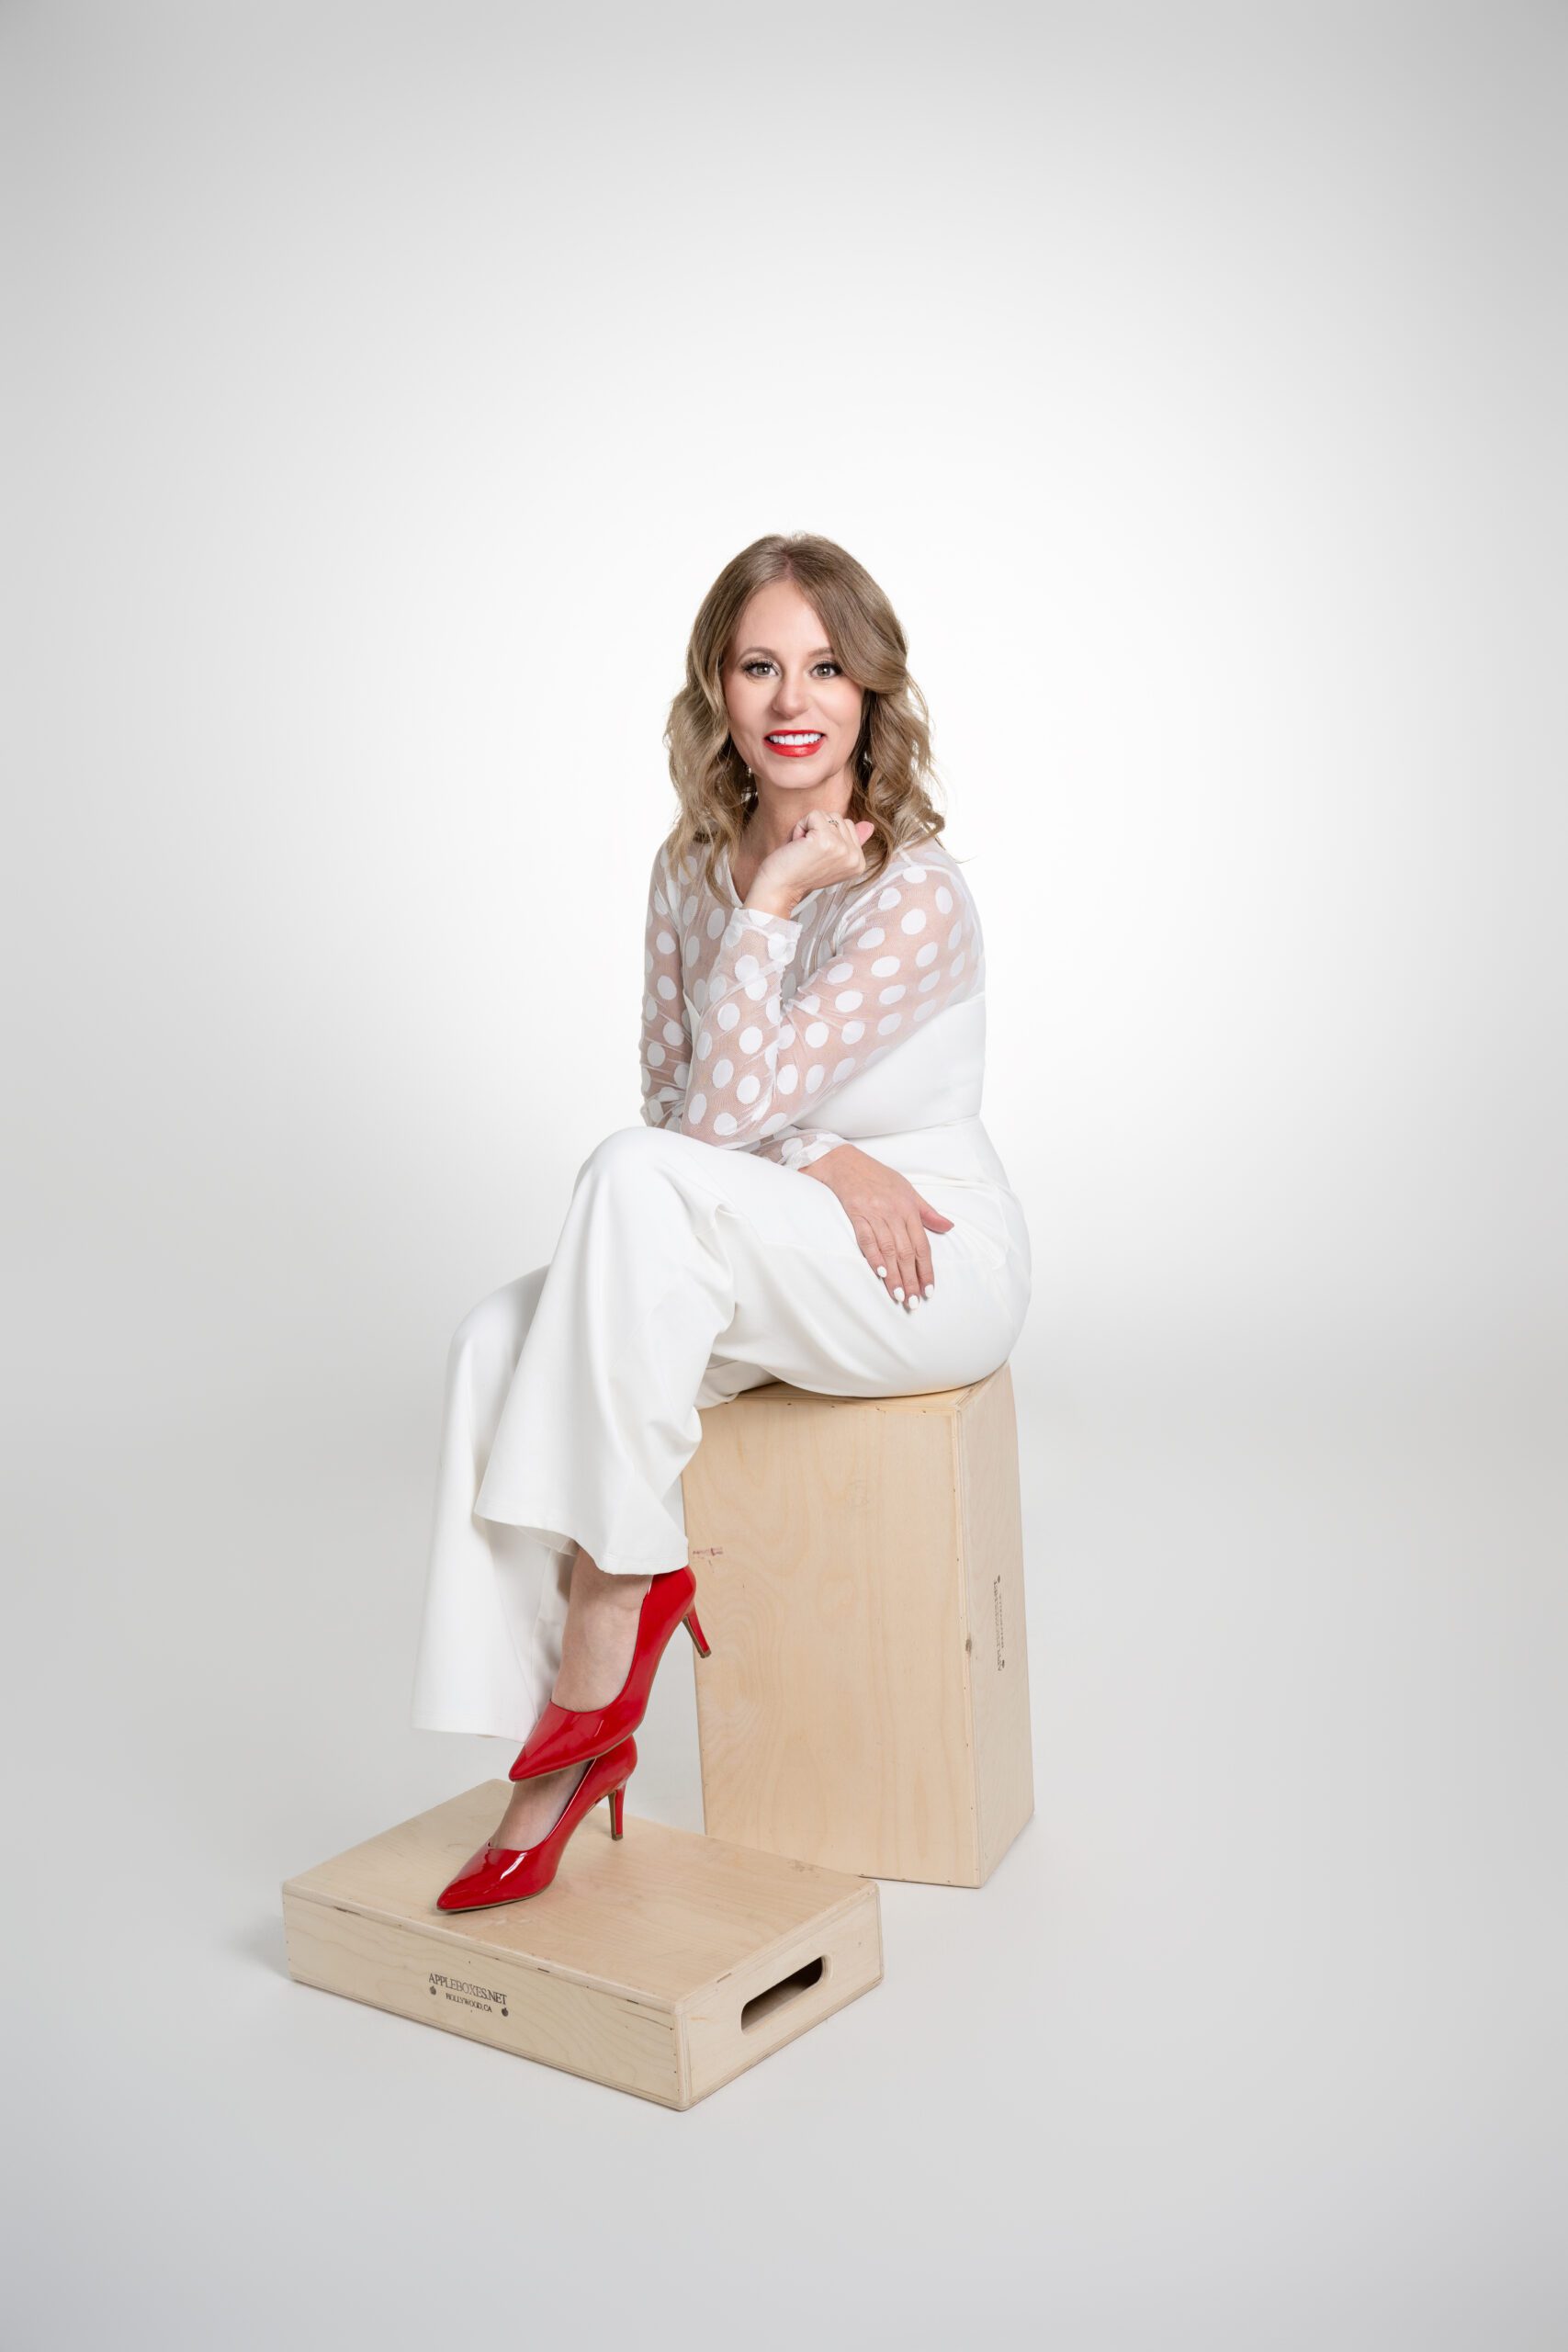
[569, 1735]
[506, 1873]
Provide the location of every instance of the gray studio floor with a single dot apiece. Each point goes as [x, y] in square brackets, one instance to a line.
[1239, 2046]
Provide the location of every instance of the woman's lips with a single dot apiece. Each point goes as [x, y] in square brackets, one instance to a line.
[792, 749]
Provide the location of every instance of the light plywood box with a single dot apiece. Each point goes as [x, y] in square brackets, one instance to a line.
[659, 1962]
[859, 1581]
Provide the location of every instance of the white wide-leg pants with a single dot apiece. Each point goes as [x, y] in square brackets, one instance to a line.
[683, 1274]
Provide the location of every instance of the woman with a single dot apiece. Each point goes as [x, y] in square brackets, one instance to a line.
[810, 1197]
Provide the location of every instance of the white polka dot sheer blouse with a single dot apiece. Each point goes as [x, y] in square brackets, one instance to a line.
[750, 1020]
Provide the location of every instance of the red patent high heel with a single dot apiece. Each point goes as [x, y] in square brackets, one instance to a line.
[567, 1735]
[506, 1873]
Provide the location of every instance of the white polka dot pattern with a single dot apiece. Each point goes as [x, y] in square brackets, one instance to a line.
[879, 959]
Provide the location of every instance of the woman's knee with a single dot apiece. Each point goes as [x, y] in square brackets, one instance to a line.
[630, 1152]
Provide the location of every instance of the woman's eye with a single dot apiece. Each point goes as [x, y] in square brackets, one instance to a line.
[759, 664]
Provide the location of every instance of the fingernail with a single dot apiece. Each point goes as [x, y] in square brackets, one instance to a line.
[929, 1289]
[897, 1291]
[883, 1271]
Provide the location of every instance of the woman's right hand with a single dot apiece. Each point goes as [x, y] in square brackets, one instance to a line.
[823, 849]
[890, 1218]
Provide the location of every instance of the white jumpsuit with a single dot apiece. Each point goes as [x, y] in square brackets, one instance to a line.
[695, 1260]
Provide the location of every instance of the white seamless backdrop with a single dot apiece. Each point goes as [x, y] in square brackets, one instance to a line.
[387, 384]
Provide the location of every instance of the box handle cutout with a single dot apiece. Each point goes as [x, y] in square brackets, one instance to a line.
[787, 1987]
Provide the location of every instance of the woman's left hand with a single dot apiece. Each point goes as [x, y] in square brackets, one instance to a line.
[889, 1216]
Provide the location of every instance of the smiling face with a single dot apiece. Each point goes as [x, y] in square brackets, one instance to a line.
[793, 715]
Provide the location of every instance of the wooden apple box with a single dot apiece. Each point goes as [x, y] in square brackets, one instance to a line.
[859, 1581]
[661, 1962]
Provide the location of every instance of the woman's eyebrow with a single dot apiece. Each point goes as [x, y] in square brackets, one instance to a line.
[768, 649]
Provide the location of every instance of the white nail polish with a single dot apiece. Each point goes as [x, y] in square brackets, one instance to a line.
[930, 1290]
[897, 1293]
[883, 1271]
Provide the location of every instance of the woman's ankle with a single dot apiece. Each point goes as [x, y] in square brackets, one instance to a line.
[590, 1583]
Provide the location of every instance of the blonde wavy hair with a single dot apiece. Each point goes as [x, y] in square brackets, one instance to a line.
[893, 769]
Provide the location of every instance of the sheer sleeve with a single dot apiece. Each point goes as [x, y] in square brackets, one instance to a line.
[798, 1147]
[908, 947]
[666, 1047]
